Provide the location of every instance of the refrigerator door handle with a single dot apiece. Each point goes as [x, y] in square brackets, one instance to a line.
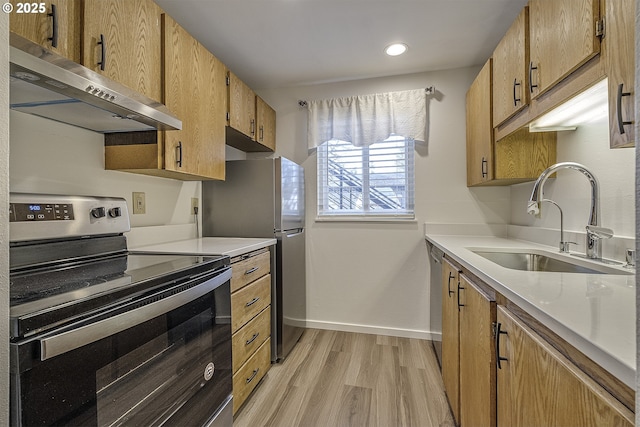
[293, 233]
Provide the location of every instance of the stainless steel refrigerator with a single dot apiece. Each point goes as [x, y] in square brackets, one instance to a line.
[265, 198]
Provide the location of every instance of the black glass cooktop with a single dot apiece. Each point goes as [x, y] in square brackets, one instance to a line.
[41, 298]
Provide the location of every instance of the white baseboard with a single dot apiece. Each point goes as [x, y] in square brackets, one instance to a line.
[375, 330]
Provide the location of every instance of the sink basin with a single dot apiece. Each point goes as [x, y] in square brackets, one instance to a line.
[539, 261]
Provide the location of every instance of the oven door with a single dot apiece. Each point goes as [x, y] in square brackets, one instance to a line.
[159, 359]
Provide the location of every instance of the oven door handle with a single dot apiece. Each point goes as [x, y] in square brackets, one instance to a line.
[78, 337]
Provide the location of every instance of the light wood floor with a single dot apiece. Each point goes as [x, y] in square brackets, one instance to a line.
[348, 379]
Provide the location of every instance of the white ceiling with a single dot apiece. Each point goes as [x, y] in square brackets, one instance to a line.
[278, 43]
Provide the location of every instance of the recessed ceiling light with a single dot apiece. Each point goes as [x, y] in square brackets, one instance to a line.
[396, 49]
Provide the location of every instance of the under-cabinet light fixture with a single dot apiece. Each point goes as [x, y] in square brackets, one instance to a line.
[589, 106]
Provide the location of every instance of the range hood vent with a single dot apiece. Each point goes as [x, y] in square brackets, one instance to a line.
[48, 85]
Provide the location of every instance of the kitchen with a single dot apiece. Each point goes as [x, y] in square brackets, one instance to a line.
[330, 303]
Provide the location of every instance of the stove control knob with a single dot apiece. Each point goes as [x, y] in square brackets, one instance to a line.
[115, 212]
[98, 212]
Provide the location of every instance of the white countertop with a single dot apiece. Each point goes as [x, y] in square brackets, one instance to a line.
[232, 246]
[596, 313]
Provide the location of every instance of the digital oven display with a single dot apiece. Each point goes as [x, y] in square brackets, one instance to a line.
[23, 212]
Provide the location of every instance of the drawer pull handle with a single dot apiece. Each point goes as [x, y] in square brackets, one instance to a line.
[460, 288]
[621, 121]
[251, 270]
[252, 339]
[255, 372]
[253, 301]
[497, 332]
[451, 276]
[515, 99]
[103, 52]
[54, 30]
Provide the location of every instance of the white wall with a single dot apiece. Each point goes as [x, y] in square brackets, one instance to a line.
[614, 169]
[4, 220]
[373, 277]
[51, 157]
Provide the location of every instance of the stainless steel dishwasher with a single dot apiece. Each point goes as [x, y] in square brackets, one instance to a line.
[435, 298]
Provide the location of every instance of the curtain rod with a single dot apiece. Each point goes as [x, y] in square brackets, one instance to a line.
[428, 90]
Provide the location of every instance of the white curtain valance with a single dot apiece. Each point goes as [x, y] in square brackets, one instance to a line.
[365, 119]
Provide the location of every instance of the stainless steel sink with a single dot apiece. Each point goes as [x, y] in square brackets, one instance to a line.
[530, 261]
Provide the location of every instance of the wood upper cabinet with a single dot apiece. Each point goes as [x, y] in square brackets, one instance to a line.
[620, 65]
[242, 106]
[194, 90]
[510, 76]
[251, 121]
[122, 40]
[477, 356]
[56, 29]
[538, 386]
[519, 157]
[480, 128]
[562, 37]
[450, 337]
[266, 124]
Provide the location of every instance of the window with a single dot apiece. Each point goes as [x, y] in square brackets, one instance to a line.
[376, 180]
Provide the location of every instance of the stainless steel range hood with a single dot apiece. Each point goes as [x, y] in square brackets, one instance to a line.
[48, 85]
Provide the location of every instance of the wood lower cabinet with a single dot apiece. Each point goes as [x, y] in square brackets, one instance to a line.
[620, 69]
[122, 40]
[451, 337]
[250, 322]
[55, 27]
[468, 354]
[194, 90]
[477, 356]
[538, 386]
[563, 36]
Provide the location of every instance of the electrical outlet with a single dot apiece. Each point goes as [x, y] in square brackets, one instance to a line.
[139, 203]
[194, 204]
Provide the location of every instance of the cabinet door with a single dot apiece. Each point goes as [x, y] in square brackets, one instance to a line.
[266, 119]
[194, 89]
[122, 40]
[620, 71]
[450, 338]
[480, 129]
[562, 38]
[538, 386]
[477, 356]
[242, 107]
[57, 29]
[510, 77]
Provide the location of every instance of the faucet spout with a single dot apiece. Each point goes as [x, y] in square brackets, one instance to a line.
[594, 249]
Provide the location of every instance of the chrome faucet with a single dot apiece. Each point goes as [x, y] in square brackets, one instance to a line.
[595, 233]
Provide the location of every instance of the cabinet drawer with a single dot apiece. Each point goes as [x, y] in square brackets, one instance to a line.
[249, 301]
[250, 374]
[250, 337]
[248, 270]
